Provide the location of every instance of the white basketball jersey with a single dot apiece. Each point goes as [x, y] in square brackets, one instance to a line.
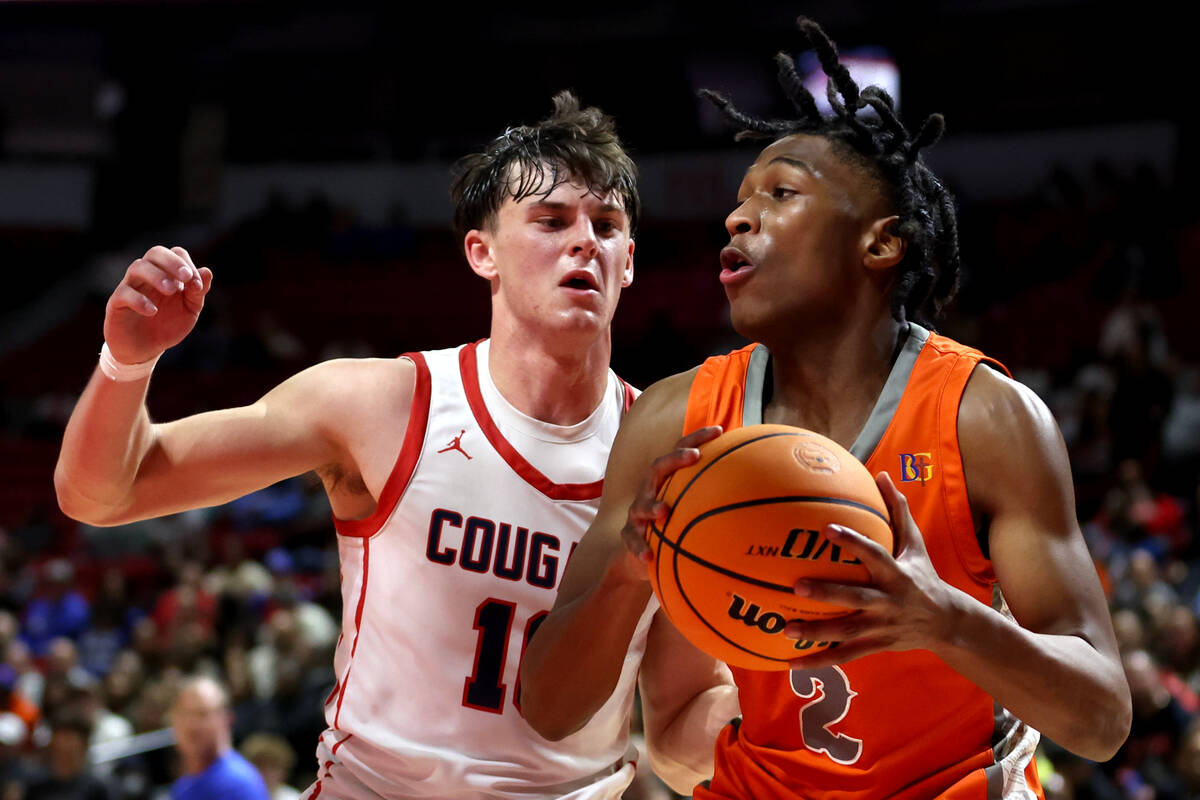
[442, 588]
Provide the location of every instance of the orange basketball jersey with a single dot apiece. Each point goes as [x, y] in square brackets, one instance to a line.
[889, 725]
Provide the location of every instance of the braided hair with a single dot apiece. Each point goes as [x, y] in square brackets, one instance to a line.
[930, 270]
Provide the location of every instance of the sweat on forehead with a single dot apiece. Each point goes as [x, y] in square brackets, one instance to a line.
[540, 180]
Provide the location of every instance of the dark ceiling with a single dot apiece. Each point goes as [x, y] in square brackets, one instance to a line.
[356, 80]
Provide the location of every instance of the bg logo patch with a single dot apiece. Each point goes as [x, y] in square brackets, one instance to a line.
[915, 467]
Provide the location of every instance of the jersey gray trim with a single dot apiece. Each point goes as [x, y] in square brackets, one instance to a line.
[885, 405]
[1013, 746]
[756, 378]
[889, 398]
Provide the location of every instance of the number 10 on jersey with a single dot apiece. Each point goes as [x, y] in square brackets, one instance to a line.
[485, 688]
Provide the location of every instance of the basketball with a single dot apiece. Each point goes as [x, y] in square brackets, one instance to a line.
[746, 522]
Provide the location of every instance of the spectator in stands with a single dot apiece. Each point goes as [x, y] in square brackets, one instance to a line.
[12, 701]
[59, 611]
[69, 776]
[274, 758]
[15, 772]
[212, 769]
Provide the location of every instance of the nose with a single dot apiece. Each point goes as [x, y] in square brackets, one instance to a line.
[583, 239]
[742, 219]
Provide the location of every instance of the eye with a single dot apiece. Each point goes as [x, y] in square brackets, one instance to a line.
[605, 226]
[550, 222]
[782, 192]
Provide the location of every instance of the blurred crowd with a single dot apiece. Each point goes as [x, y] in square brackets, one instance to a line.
[1084, 289]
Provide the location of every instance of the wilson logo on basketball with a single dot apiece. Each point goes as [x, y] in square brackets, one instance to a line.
[751, 614]
[769, 623]
[816, 458]
[806, 544]
[916, 467]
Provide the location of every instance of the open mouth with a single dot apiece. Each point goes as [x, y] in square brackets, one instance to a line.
[734, 264]
[581, 280]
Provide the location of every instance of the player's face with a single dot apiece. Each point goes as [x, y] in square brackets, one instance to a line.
[557, 261]
[795, 253]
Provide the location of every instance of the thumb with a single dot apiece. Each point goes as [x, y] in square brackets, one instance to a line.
[907, 535]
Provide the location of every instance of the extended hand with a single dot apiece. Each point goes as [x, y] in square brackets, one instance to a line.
[905, 607]
[155, 305]
[646, 507]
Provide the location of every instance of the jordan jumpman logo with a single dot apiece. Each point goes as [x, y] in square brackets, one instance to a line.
[456, 444]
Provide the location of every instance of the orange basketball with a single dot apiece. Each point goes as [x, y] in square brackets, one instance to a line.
[746, 522]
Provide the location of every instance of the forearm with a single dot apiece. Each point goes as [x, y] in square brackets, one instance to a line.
[1060, 685]
[105, 441]
[681, 752]
[575, 659]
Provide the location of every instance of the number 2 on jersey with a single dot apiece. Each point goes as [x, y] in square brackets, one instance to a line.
[828, 690]
[485, 687]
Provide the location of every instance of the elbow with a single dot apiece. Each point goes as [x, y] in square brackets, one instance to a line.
[1113, 729]
[544, 718]
[1105, 732]
[77, 506]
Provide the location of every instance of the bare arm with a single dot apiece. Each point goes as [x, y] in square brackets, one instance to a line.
[687, 697]
[574, 661]
[116, 466]
[1056, 667]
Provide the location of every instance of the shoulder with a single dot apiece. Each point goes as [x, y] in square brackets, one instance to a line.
[331, 389]
[995, 408]
[661, 408]
[1010, 443]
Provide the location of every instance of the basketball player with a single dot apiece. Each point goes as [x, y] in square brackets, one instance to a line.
[842, 242]
[460, 481]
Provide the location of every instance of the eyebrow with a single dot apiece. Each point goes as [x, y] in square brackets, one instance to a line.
[554, 205]
[794, 162]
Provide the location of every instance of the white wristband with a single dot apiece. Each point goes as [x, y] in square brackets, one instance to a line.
[121, 372]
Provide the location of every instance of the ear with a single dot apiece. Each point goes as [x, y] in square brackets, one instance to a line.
[627, 275]
[477, 245]
[882, 248]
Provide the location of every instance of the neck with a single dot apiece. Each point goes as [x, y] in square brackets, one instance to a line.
[829, 379]
[195, 763]
[555, 382]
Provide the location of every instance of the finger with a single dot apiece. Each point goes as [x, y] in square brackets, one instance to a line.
[874, 556]
[170, 262]
[147, 277]
[647, 510]
[197, 290]
[665, 465]
[840, 594]
[196, 283]
[699, 437]
[635, 542]
[838, 629]
[126, 297]
[905, 528]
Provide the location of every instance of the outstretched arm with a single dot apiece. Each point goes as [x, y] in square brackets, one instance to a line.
[1056, 666]
[116, 466]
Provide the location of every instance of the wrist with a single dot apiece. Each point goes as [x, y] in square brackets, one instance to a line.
[121, 372]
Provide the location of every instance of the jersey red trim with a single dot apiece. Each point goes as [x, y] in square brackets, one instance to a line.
[358, 613]
[406, 461]
[528, 472]
[630, 394]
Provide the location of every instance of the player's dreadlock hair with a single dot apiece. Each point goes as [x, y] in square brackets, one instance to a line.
[572, 144]
[929, 272]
